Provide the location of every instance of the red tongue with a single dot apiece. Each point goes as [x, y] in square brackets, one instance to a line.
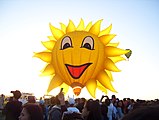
[76, 71]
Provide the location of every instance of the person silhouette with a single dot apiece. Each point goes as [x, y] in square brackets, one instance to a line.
[13, 108]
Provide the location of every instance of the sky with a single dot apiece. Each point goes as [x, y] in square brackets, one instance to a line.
[25, 23]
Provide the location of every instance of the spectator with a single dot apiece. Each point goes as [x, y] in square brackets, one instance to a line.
[112, 111]
[125, 103]
[58, 107]
[2, 101]
[31, 99]
[31, 111]
[72, 112]
[92, 110]
[131, 105]
[120, 109]
[95, 111]
[55, 112]
[13, 108]
[44, 108]
[71, 107]
[80, 104]
[143, 113]
[104, 107]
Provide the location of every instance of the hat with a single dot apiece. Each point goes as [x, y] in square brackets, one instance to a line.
[17, 94]
[71, 101]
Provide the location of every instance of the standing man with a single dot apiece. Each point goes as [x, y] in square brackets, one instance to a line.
[13, 108]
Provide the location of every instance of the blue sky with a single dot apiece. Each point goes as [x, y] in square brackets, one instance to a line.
[24, 24]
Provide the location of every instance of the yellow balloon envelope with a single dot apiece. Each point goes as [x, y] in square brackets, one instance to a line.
[80, 57]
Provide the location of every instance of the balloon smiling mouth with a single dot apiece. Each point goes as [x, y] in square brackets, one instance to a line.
[77, 71]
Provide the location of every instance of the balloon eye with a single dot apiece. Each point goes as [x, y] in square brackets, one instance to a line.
[66, 43]
[88, 42]
[87, 45]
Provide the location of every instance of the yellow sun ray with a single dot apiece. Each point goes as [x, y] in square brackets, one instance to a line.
[45, 56]
[80, 27]
[113, 51]
[117, 59]
[63, 27]
[109, 74]
[101, 87]
[57, 33]
[105, 39]
[49, 44]
[88, 26]
[91, 86]
[109, 65]
[71, 27]
[51, 38]
[105, 31]
[105, 81]
[95, 29]
[55, 82]
[113, 44]
[48, 70]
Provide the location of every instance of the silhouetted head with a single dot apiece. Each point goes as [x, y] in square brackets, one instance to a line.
[143, 113]
[16, 94]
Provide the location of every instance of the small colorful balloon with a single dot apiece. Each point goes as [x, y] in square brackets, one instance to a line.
[128, 54]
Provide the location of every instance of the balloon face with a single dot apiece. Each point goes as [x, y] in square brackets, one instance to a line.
[77, 58]
[80, 57]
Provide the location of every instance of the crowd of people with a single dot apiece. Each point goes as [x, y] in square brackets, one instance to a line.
[58, 108]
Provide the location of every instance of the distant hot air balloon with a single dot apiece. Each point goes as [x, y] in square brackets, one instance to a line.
[128, 54]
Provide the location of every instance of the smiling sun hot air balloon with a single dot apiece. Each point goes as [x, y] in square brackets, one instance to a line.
[80, 57]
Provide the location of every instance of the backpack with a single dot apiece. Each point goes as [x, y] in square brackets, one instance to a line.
[56, 113]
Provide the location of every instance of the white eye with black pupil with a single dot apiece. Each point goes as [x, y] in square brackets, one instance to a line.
[66, 43]
[88, 43]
